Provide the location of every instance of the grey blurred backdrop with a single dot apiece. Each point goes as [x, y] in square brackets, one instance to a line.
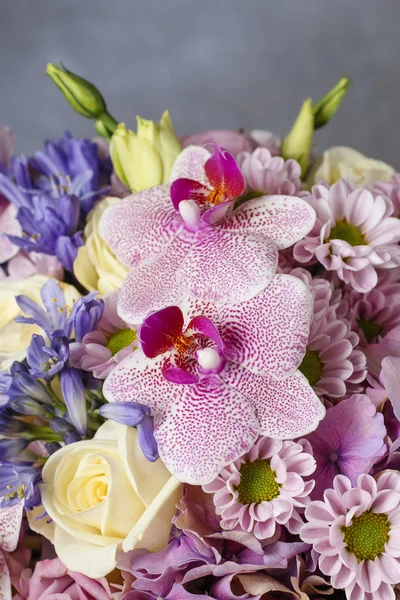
[213, 63]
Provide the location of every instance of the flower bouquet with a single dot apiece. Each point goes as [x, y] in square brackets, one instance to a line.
[200, 364]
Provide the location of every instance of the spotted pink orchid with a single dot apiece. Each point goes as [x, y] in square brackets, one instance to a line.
[186, 239]
[10, 526]
[215, 377]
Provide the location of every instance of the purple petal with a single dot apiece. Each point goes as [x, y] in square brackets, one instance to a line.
[142, 226]
[160, 330]
[54, 302]
[146, 439]
[140, 379]
[283, 219]
[391, 381]
[188, 189]
[153, 286]
[74, 396]
[285, 409]
[269, 333]
[228, 267]
[127, 413]
[178, 375]
[207, 427]
[224, 173]
[190, 165]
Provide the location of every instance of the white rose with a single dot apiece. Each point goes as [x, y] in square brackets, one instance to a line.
[104, 496]
[342, 162]
[96, 267]
[15, 337]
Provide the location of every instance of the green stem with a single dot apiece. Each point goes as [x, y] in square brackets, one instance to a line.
[110, 124]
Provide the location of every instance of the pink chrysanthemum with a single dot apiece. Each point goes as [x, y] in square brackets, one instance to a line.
[101, 350]
[356, 531]
[392, 190]
[354, 234]
[264, 488]
[267, 174]
[375, 313]
[332, 364]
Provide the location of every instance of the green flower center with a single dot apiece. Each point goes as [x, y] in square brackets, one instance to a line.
[257, 483]
[342, 230]
[367, 535]
[121, 339]
[311, 367]
[370, 329]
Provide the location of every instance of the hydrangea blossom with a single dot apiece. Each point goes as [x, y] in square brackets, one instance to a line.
[214, 385]
[197, 244]
[354, 235]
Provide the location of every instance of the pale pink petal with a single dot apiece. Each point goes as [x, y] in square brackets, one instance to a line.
[228, 267]
[283, 219]
[5, 581]
[268, 334]
[209, 426]
[190, 164]
[141, 226]
[391, 381]
[6, 145]
[8, 225]
[286, 409]
[385, 501]
[153, 286]
[10, 526]
[343, 577]
[140, 379]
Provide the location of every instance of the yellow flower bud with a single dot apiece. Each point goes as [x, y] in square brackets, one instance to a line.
[328, 106]
[145, 159]
[298, 143]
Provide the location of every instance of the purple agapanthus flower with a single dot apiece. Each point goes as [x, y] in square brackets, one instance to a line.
[19, 481]
[185, 238]
[73, 392]
[348, 441]
[235, 366]
[46, 360]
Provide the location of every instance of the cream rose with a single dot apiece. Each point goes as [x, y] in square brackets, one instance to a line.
[95, 266]
[104, 496]
[15, 337]
[342, 162]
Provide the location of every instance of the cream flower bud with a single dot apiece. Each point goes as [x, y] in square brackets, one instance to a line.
[145, 159]
[340, 162]
[103, 496]
[298, 143]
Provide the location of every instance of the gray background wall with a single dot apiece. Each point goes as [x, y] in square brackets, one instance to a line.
[213, 63]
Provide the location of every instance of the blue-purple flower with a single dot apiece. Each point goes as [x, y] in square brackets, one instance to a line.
[47, 359]
[19, 480]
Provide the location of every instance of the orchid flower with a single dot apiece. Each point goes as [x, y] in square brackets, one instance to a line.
[186, 238]
[10, 525]
[215, 377]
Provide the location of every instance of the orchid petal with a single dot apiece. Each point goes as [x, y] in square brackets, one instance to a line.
[188, 189]
[217, 213]
[5, 580]
[140, 379]
[160, 330]
[141, 226]
[205, 326]
[285, 409]
[228, 267]
[207, 427]
[284, 219]
[268, 334]
[10, 526]
[178, 375]
[190, 165]
[8, 225]
[224, 173]
[153, 286]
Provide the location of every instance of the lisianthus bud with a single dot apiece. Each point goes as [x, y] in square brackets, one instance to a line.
[145, 159]
[298, 143]
[84, 97]
[328, 106]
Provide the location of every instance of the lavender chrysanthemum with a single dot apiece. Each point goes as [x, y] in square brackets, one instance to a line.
[262, 490]
[267, 175]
